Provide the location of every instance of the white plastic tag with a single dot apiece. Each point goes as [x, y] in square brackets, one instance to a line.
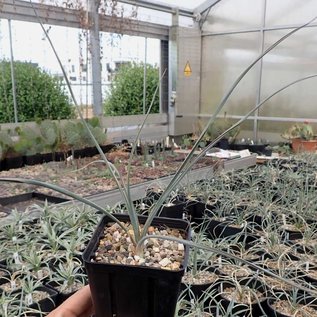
[244, 153]
[28, 299]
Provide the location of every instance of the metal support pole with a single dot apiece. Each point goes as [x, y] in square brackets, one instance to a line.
[258, 96]
[144, 76]
[15, 107]
[95, 58]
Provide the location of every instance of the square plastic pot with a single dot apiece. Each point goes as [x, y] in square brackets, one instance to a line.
[134, 291]
[45, 305]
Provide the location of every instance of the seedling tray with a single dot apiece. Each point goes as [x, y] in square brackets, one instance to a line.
[22, 201]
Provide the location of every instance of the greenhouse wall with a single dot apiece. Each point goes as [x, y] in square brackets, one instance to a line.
[235, 32]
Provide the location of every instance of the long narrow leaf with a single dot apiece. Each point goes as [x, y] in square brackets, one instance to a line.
[114, 172]
[187, 162]
[224, 254]
[218, 138]
[131, 209]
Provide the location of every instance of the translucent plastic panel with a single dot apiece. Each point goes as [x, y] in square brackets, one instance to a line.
[234, 15]
[272, 129]
[293, 59]
[286, 12]
[224, 58]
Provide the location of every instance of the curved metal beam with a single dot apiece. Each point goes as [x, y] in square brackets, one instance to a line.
[205, 6]
[159, 7]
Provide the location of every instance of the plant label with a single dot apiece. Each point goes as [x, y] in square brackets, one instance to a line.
[28, 299]
[244, 153]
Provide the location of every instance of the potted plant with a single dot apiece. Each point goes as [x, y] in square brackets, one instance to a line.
[111, 279]
[302, 137]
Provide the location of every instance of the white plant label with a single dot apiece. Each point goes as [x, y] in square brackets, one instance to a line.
[284, 219]
[20, 225]
[220, 262]
[153, 163]
[14, 239]
[28, 299]
[13, 285]
[16, 258]
[244, 153]
[40, 274]
[5, 308]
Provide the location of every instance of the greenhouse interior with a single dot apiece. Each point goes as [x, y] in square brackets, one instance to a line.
[168, 146]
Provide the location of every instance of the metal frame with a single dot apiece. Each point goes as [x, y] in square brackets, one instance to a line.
[160, 7]
[205, 6]
[23, 11]
[48, 14]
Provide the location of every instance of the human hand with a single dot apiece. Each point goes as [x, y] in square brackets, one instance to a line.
[78, 305]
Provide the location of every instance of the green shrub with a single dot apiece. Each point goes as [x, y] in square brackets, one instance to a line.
[38, 94]
[126, 91]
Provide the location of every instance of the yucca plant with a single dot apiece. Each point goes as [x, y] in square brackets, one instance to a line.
[68, 277]
[35, 263]
[9, 306]
[137, 234]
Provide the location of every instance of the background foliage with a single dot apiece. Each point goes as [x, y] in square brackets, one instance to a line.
[39, 94]
[126, 92]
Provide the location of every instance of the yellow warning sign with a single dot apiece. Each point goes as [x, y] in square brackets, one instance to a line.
[187, 70]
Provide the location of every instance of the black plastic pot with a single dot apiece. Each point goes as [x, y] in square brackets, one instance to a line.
[195, 210]
[134, 291]
[91, 151]
[241, 309]
[79, 153]
[174, 210]
[12, 162]
[60, 156]
[254, 148]
[221, 229]
[107, 147]
[60, 296]
[34, 159]
[12, 201]
[45, 305]
[307, 301]
[199, 212]
[291, 234]
[222, 144]
[47, 157]
[197, 291]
